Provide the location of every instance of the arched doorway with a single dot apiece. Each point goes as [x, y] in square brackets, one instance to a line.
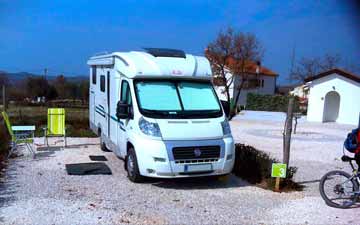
[331, 106]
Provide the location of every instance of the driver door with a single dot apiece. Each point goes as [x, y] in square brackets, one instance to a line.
[125, 96]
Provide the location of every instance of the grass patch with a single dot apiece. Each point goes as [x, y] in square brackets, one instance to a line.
[255, 167]
[77, 119]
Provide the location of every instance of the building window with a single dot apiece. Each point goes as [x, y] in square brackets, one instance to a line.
[93, 72]
[102, 83]
[251, 83]
[262, 83]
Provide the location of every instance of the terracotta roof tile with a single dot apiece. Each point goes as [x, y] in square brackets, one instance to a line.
[250, 67]
[337, 71]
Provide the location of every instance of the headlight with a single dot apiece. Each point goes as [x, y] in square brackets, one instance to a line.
[149, 128]
[226, 128]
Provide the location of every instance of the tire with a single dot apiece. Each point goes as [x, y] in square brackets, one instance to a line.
[338, 189]
[132, 167]
[102, 144]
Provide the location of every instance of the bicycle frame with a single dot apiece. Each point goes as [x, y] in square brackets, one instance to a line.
[355, 175]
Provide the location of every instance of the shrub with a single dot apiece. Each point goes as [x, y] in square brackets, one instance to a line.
[254, 166]
[274, 103]
[4, 139]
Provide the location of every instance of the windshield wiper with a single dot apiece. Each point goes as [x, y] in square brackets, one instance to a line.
[202, 113]
[156, 111]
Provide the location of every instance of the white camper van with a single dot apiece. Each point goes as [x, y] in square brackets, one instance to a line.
[158, 110]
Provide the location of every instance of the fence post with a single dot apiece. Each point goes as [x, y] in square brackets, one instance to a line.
[4, 97]
[288, 130]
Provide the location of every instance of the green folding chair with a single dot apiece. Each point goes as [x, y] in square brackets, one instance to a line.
[20, 135]
[55, 125]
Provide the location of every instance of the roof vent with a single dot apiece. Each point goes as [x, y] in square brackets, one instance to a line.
[165, 52]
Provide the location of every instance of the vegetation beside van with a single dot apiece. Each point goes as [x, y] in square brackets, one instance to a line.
[77, 119]
[255, 167]
[4, 142]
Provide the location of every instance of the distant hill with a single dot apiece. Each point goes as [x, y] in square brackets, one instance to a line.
[13, 77]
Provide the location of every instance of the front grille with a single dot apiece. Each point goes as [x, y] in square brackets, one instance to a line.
[196, 161]
[196, 154]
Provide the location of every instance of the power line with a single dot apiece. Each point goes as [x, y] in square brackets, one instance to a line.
[41, 71]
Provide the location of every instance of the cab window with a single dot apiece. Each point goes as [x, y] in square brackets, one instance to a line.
[125, 92]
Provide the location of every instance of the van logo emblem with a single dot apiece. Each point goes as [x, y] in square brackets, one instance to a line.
[197, 152]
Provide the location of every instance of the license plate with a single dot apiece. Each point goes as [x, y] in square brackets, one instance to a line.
[197, 168]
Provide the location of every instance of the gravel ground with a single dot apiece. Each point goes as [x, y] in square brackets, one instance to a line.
[40, 192]
[316, 148]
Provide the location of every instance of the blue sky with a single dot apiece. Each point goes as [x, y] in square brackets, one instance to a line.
[62, 35]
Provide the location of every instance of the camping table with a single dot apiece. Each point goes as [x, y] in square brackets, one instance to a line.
[24, 129]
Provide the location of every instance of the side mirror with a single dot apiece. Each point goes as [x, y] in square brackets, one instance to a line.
[225, 106]
[122, 110]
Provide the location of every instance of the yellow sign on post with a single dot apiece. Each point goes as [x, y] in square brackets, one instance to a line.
[278, 170]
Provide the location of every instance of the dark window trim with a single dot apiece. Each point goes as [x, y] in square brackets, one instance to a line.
[93, 74]
[102, 83]
[127, 91]
[108, 87]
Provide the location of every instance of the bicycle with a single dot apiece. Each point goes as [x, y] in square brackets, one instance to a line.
[345, 187]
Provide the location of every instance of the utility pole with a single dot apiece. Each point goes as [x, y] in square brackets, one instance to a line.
[45, 72]
[291, 75]
[288, 130]
[4, 97]
[258, 81]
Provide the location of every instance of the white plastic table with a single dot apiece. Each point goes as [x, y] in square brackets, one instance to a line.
[23, 128]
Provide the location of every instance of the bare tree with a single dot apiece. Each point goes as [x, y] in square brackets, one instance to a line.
[230, 54]
[219, 52]
[330, 61]
[247, 50]
[308, 67]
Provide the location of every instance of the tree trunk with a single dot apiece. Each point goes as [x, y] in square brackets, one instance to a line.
[226, 86]
[228, 101]
[4, 98]
[288, 130]
[239, 91]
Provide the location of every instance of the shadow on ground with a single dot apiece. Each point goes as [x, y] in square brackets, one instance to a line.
[7, 187]
[230, 181]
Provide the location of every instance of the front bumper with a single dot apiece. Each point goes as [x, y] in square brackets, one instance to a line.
[155, 158]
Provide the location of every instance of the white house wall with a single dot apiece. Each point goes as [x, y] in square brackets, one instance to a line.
[220, 90]
[349, 92]
[268, 89]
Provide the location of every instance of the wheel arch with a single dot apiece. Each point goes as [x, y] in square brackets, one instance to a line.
[99, 129]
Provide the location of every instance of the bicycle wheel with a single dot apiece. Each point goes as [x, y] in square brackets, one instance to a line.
[337, 189]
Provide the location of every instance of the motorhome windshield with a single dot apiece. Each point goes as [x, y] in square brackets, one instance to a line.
[177, 99]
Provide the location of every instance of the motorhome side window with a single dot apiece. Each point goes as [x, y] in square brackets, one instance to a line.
[125, 92]
[102, 83]
[93, 71]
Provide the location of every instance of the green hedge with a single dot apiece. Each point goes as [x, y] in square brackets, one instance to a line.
[254, 166]
[274, 103]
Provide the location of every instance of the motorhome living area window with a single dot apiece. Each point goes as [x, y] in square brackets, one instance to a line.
[93, 73]
[102, 83]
